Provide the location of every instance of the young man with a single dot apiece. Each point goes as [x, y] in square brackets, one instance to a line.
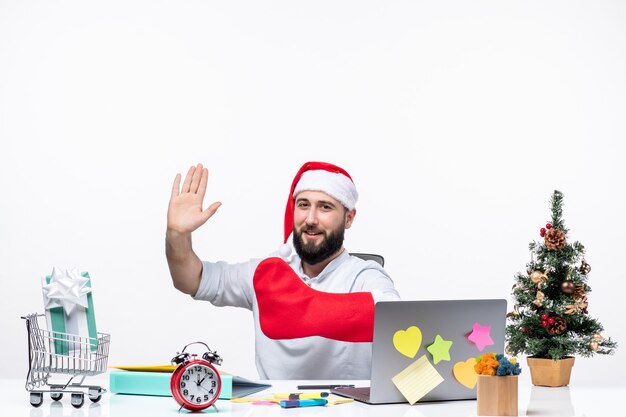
[313, 310]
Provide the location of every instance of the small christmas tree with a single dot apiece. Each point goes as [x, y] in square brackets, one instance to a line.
[550, 318]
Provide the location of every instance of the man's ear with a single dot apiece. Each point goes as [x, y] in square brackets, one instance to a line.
[350, 217]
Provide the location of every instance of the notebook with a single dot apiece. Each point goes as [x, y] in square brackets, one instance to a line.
[474, 327]
[141, 380]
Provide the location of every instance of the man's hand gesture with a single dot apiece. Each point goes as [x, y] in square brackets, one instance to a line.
[184, 213]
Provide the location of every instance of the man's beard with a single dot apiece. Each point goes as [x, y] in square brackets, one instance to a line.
[313, 254]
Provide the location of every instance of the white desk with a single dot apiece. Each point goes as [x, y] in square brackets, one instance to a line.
[587, 401]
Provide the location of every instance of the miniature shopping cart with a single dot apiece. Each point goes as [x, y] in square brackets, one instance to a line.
[69, 355]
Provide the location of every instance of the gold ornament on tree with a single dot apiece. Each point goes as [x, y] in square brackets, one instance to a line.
[539, 299]
[568, 287]
[579, 306]
[595, 341]
[539, 278]
[585, 268]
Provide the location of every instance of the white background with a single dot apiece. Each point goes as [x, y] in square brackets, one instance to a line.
[457, 120]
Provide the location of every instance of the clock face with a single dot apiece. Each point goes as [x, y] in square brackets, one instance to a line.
[197, 384]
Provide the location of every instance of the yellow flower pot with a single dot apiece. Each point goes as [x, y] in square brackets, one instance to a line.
[549, 372]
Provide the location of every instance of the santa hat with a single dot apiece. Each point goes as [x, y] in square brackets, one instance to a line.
[320, 176]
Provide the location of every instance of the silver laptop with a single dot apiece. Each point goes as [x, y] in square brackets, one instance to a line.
[453, 320]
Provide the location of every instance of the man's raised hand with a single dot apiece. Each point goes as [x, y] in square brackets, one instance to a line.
[184, 213]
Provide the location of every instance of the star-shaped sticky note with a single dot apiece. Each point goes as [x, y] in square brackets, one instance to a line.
[440, 349]
[480, 336]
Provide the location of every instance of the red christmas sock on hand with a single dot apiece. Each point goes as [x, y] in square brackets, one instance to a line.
[290, 309]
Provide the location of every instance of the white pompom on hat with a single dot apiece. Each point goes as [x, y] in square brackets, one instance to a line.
[320, 176]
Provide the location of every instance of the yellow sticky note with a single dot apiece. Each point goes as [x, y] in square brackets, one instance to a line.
[417, 380]
[335, 400]
[464, 373]
[408, 341]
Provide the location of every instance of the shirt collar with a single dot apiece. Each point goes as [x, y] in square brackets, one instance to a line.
[330, 268]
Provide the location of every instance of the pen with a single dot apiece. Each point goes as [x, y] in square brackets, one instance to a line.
[302, 403]
[324, 386]
[302, 396]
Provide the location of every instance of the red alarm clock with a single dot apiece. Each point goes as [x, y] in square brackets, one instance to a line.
[195, 383]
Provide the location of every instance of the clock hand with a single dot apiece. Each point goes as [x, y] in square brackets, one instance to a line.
[201, 381]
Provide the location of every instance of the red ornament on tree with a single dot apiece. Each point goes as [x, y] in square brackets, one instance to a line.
[551, 320]
[548, 226]
[544, 323]
[542, 232]
[544, 316]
